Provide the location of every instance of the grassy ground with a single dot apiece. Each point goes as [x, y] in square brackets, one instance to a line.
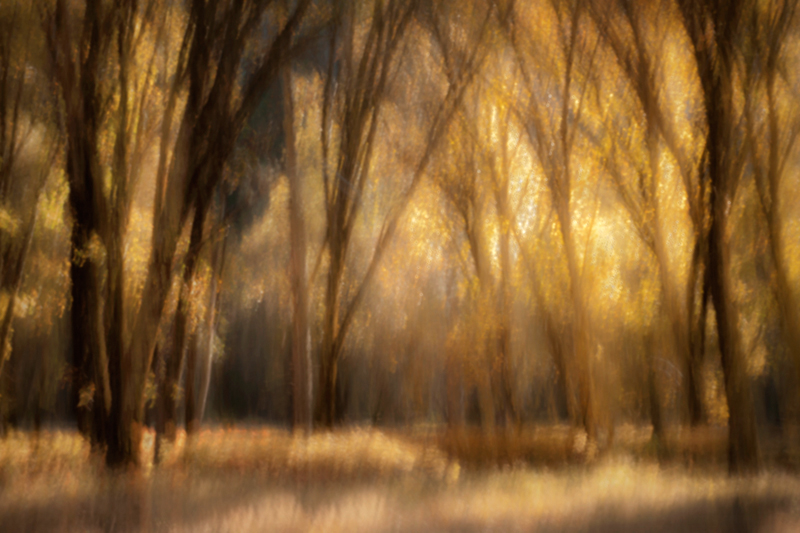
[264, 479]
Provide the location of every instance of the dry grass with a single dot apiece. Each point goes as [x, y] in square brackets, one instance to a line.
[562, 445]
[345, 454]
[266, 479]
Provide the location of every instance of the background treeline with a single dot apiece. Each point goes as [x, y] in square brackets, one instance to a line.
[479, 212]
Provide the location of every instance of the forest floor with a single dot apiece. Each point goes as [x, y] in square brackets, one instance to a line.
[358, 479]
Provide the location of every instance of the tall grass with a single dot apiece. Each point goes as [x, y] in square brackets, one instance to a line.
[268, 479]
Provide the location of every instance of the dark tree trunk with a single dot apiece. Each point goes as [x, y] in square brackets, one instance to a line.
[191, 376]
[326, 413]
[714, 33]
[695, 392]
[743, 450]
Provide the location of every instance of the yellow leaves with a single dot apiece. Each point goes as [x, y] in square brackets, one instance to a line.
[52, 202]
[307, 94]
[9, 223]
[176, 393]
[94, 251]
[137, 249]
[792, 250]
[757, 361]
[197, 294]
[422, 225]
[715, 396]
[6, 348]
[640, 311]
[150, 389]
[26, 304]
[86, 396]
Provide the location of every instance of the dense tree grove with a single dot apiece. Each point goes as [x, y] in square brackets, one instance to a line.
[466, 212]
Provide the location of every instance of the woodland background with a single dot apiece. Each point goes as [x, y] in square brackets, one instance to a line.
[478, 217]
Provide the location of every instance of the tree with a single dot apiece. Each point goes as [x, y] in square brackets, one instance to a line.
[302, 376]
[769, 27]
[210, 125]
[364, 82]
[23, 109]
[552, 138]
[211, 120]
[640, 57]
[716, 57]
[481, 175]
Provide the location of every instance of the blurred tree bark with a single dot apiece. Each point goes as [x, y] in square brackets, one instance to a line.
[207, 134]
[212, 312]
[81, 92]
[362, 80]
[714, 30]
[208, 131]
[362, 75]
[769, 28]
[302, 377]
[640, 56]
[20, 192]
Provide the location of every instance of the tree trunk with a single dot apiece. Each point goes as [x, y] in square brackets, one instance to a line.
[217, 263]
[743, 451]
[560, 184]
[555, 340]
[714, 33]
[698, 321]
[301, 349]
[326, 412]
[581, 349]
[785, 293]
[12, 278]
[191, 376]
[176, 361]
[506, 369]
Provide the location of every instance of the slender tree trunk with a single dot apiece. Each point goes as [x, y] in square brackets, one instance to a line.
[454, 386]
[506, 369]
[654, 344]
[561, 186]
[486, 403]
[490, 379]
[14, 281]
[301, 349]
[158, 367]
[453, 378]
[326, 412]
[207, 359]
[581, 340]
[177, 359]
[81, 355]
[743, 452]
[698, 312]
[555, 341]
[217, 262]
[191, 377]
[785, 293]
[655, 401]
